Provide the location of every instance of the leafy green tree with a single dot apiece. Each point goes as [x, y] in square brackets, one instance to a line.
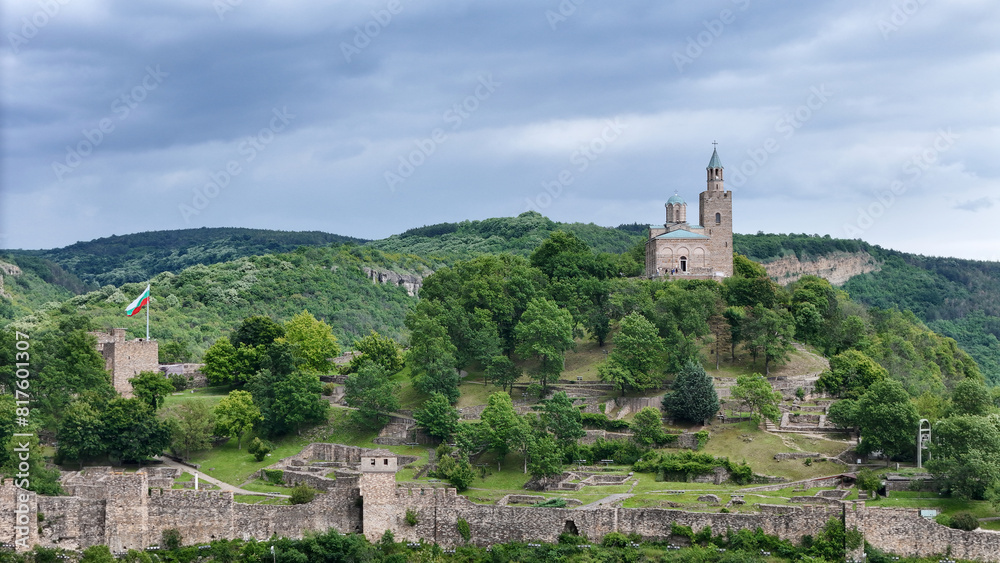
[97, 554]
[235, 415]
[751, 292]
[770, 334]
[887, 420]
[680, 312]
[298, 402]
[382, 350]
[81, 433]
[756, 393]
[438, 417]
[44, 480]
[502, 372]
[737, 319]
[965, 455]
[851, 374]
[71, 366]
[151, 387]
[638, 352]
[504, 429]
[971, 397]
[868, 481]
[544, 333]
[373, 393]
[431, 356]
[192, 425]
[221, 364]
[301, 494]
[462, 475]
[175, 352]
[257, 330]
[562, 419]
[544, 457]
[693, 397]
[647, 427]
[132, 433]
[313, 342]
[259, 449]
[747, 268]
[844, 413]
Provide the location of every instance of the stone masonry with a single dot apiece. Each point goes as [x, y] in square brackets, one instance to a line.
[125, 359]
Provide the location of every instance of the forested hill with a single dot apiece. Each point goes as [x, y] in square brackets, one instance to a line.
[955, 297]
[116, 260]
[517, 235]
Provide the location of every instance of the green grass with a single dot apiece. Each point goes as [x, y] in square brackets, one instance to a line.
[978, 508]
[212, 395]
[726, 441]
[259, 486]
[254, 499]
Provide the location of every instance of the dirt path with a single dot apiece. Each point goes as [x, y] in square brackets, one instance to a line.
[605, 502]
[223, 486]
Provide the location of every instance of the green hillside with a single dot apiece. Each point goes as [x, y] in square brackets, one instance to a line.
[138, 257]
[955, 297]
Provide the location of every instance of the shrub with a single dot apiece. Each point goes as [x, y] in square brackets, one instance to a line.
[682, 531]
[615, 539]
[944, 520]
[274, 476]
[964, 521]
[259, 449]
[328, 389]
[551, 503]
[170, 538]
[463, 529]
[302, 494]
[808, 461]
[411, 517]
[179, 382]
[702, 436]
[800, 393]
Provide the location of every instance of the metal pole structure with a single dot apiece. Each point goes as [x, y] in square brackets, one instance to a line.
[150, 302]
[923, 440]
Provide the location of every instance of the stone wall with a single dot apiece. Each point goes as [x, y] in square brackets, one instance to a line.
[904, 532]
[125, 359]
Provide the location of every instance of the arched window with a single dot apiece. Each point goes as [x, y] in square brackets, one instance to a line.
[718, 218]
[684, 263]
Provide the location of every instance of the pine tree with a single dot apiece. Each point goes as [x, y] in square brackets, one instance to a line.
[693, 397]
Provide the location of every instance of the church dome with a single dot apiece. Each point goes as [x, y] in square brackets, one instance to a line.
[676, 199]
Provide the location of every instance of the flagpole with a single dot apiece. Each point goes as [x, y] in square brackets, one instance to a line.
[150, 302]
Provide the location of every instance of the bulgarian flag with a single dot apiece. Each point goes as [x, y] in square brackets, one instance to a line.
[139, 303]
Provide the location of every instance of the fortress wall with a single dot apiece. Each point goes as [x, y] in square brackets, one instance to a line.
[18, 516]
[336, 509]
[200, 516]
[71, 522]
[905, 532]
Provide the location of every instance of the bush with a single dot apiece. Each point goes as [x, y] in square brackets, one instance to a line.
[259, 449]
[944, 520]
[171, 538]
[411, 517]
[964, 521]
[302, 494]
[179, 381]
[328, 389]
[463, 529]
[274, 476]
[615, 539]
[551, 503]
[702, 436]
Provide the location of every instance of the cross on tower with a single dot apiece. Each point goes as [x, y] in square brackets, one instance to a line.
[714, 144]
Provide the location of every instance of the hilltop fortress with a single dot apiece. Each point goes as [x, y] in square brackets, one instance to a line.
[131, 511]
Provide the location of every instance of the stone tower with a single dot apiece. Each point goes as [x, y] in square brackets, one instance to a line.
[716, 210]
[378, 493]
[125, 359]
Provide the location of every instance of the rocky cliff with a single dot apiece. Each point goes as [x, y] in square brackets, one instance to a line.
[10, 270]
[411, 282]
[837, 267]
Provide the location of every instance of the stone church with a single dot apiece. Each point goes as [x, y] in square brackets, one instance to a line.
[703, 250]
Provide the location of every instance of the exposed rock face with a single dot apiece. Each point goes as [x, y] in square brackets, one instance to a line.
[837, 267]
[10, 270]
[412, 282]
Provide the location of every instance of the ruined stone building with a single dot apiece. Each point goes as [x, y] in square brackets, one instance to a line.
[124, 359]
[702, 250]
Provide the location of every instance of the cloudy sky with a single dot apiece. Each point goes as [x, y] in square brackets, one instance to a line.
[876, 119]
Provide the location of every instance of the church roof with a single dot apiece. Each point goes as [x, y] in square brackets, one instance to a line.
[715, 162]
[681, 234]
[676, 199]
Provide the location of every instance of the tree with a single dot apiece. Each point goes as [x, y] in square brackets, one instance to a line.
[71, 367]
[235, 415]
[544, 457]
[175, 352]
[647, 427]
[971, 397]
[851, 374]
[844, 413]
[220, 362]
[132, 433]
[563, 420]
[301, 494]
[747, 268]
[97, 554]
[379, 349]
[297, 402]
[80, 433]
[770, 334]
[257, 330]
[373, 393]
[638, 354]
[869, 481]
[693, 397]
[965, 455]
[151, 388]
[193, 423]
[313, 342]
[438, 417]
[544, 333]
[505, 430]
[502, 372]
[887, 420]
[760, 399]
[431, 356]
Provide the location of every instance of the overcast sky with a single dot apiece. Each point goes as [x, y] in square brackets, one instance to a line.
[876, 119]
